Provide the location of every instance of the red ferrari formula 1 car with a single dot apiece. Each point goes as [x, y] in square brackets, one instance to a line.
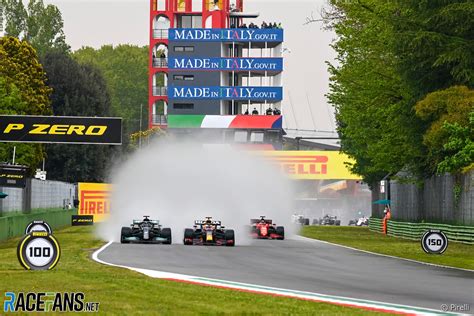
[264, 229]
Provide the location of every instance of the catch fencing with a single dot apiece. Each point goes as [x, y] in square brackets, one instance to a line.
[414, 231]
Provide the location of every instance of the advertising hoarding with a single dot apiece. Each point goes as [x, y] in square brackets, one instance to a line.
[231, 64]
[225, 35]
[313, 165]
[225, 93]
[60, 129]
[94, 200]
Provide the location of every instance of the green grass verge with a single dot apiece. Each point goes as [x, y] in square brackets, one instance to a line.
[124, 292]
[457, 255]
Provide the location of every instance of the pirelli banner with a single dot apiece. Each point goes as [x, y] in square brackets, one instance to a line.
[60, 129]
[313, 165]
[94, 200]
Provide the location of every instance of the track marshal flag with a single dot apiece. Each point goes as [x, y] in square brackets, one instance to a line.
[94, 200]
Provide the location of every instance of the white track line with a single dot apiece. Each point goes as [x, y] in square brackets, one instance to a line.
[301, 238]
[339, 300]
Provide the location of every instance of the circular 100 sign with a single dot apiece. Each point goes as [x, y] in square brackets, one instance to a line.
[40, 226]
[38, 251]
[434, 241]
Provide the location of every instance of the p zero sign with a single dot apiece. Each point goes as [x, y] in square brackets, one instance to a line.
[313, 165]
[60, 129]
[94, 200]
[13, 176]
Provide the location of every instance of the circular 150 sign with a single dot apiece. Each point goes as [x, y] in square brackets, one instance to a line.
[434, 241]
[38, 251]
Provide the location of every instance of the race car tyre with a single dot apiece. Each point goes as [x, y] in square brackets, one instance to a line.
[230, 237]
[306, 221]
[126, 232]
[280, 230]
[338, 223]
[166, 233]
[188, 235]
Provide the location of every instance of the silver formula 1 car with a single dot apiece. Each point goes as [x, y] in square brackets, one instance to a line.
[145, 231]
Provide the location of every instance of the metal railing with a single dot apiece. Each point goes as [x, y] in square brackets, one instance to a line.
[160, 91]
[415, 231]
[159, 62]
[160, 119]
[160, 33]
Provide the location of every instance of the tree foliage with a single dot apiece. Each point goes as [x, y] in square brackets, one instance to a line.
[447, 111]
[459, 148]
[19, 65]
[390, 55]
[40, 24]
[125, 69]
[78, 90]
[23, 91]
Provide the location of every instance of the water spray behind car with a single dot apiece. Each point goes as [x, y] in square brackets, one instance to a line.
[180, 182]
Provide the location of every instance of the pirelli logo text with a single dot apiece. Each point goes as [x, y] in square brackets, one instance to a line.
[61, 129]
[94, 201]
[313, 165]
[303, 164]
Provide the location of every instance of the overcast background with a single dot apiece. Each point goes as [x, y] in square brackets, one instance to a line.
[99, 22]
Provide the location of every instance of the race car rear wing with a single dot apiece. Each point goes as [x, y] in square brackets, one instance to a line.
[202, 222]
[138, 221]
[255, 221]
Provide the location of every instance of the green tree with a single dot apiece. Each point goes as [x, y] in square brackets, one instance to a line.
[374, 116]
[23, 91]
[78, 90]
[449, 106]
[459, 148]
[125, 69]
[15, 16]
[389, 56]
[434, 42]
[40, 24]
[19, 65]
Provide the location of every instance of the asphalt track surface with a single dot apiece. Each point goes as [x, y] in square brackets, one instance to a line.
[306, 265]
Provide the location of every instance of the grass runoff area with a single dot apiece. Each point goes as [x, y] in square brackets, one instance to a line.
[124, 292]
[457, 255]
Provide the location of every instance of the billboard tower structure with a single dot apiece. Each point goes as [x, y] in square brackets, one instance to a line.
[208, 71]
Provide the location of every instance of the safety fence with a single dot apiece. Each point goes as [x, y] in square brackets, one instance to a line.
[415, 231]
[14, 225]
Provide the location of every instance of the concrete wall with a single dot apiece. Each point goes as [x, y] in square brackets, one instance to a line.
[41, 194]
[14, 201]
[434, 200]
[47, 194]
